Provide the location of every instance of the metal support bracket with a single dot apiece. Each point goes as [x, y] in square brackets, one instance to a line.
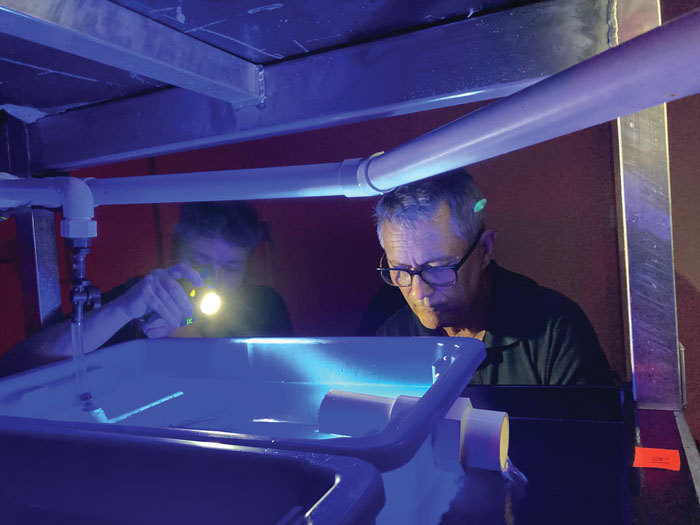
[434, 67]
[646, 240]
[691, 451]
[36, 234]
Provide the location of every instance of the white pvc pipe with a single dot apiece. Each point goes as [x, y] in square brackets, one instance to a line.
[353, 414]
[658, 66]
[655, 67]
[70, 193]
[313, 180]
[16, 191]
[466, 435]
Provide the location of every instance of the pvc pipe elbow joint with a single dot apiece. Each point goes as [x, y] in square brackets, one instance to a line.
[483, 436]
[354, 178]
[78, 208]
[71, 193]
[466, 435]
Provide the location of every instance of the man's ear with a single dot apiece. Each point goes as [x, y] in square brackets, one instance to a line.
[487, 243]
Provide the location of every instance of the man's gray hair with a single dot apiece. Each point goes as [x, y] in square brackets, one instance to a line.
[420, 200]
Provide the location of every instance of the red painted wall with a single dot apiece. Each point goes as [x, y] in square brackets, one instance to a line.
[684, 149]
[11, 312]
[684, 156]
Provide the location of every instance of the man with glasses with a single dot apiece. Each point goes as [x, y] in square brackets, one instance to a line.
[438, 252]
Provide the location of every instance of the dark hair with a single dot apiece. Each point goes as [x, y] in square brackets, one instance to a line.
[235, 222]
[419, 201]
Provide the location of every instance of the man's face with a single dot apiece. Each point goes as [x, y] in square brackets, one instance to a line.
[433, 242]
[226, 260]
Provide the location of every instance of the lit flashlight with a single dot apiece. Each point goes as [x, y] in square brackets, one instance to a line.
[205, 299]
[210, 303]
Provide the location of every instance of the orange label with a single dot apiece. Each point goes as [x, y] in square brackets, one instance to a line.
[657, 458]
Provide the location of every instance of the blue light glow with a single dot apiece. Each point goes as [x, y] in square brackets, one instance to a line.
[145, 407]
[459, 95]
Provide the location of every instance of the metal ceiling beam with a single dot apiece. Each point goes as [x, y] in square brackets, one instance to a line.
[476, 59]
[112, 35]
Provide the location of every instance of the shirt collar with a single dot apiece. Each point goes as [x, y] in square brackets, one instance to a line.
[504, 320]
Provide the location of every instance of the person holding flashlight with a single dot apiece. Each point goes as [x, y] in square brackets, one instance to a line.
[205, 293]
[217, 239]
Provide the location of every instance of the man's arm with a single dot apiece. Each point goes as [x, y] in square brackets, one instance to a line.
[53, 343]
[158, 293]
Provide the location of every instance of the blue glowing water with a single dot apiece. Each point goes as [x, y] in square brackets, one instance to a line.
[264, 387]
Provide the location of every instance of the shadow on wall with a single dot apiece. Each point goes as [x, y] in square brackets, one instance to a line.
[688, 301]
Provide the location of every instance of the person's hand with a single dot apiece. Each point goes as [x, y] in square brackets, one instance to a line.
[157, 327]
[187, 331]
[160, 295]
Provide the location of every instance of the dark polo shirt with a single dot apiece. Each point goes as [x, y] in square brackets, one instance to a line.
[535, 336]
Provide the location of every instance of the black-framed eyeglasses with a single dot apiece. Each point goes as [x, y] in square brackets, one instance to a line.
[432, 275]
